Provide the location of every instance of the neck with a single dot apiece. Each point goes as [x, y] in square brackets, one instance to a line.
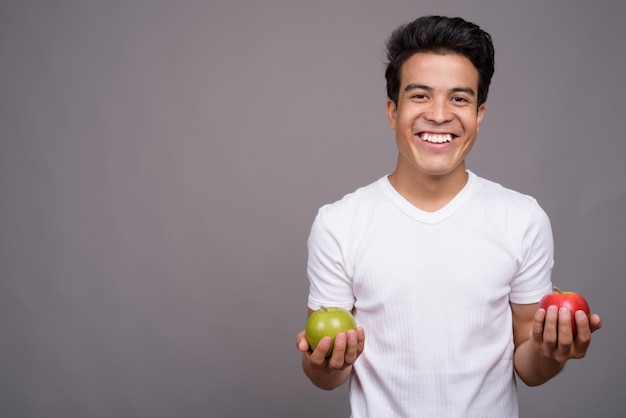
[429, 192]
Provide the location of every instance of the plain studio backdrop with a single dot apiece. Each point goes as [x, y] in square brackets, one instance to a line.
[161, 163]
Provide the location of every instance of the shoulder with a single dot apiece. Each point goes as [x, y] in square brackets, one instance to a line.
[343, 218]
[354, 204]
[502, 198]
[494, 190]
[508, 210]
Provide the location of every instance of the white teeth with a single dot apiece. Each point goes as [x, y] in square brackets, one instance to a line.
[437, 138]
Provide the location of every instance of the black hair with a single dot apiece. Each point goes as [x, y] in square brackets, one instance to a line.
[441, 35]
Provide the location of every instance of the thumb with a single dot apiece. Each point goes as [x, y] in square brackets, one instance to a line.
[302, 343]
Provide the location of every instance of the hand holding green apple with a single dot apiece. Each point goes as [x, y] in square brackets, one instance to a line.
[328, 322]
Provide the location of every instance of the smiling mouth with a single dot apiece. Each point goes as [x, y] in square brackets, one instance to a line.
[436, 138]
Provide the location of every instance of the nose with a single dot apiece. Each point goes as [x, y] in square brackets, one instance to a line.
[439, 111]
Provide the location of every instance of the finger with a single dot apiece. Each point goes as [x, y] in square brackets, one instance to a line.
[360, 334]
[351, 347]
[595, 322]
[303, 345]
[564, 334]
[301, 341]
[583, 337]
[337, 358]
[583, 330]
[536, 333]
[319, 354]
[550, 326]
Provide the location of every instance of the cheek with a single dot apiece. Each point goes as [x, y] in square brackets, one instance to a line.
[472, 123]
[404, 121]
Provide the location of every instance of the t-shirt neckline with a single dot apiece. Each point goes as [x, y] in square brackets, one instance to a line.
[429, 217]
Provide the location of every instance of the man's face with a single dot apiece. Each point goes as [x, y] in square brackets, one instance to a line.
[437, 118]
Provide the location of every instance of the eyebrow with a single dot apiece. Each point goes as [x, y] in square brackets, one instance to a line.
[467, 90]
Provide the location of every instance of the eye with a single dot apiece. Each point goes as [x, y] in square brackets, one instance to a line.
[461, 101]
[418, 96]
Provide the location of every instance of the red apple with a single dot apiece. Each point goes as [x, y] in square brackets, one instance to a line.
[328, 322]
[570, 300]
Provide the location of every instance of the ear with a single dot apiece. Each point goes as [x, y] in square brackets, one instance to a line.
[479, 116]
[392, 111]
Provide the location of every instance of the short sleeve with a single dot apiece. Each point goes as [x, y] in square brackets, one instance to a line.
[534, 277]
[329, 285]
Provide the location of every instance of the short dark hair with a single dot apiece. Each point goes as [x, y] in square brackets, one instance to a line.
[441, 35]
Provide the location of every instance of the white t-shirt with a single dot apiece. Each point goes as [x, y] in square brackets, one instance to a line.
[432, 292]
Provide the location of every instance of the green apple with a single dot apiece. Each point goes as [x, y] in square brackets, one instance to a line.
[328, 322]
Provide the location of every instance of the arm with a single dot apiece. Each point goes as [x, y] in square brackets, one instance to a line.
[330, 373]
[543, 340]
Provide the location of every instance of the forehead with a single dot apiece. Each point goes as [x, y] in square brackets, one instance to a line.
[435, 69]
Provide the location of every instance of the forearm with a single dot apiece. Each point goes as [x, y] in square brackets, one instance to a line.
[532, 366]
[324, 378]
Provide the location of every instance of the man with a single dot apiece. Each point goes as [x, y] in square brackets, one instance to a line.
[443, 269]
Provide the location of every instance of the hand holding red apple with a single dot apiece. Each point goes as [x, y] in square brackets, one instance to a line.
[563, 326]
[571, 300]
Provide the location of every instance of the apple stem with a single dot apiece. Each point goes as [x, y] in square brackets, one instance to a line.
[556, 289]
[323, 308]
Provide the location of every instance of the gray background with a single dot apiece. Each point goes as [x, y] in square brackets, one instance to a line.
[161, 163]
